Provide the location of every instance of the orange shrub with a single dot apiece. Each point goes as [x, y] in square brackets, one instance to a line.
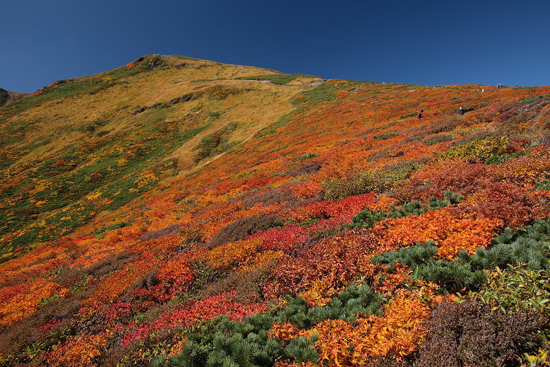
[233, 254]
[383, 203]
[449, 232]
[23, 301]
[79, 351]
[116, 284]
[397, 333]
[305, 190]
[261, 260]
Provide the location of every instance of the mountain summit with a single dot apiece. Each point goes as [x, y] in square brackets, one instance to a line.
[177, 211]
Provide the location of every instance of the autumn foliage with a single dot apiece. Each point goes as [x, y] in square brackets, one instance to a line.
[193, 223]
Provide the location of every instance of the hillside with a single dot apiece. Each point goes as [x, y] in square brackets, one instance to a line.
[177, 211]
[8, 96]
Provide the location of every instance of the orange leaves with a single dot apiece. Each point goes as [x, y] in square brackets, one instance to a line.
[319, 292]
[396, 333]
[336, 337]
[20, 301]
[393, 281]
[116, 284]
[79, 351]
[450, 233]
[383, 203]
[177, 269]
[408, 230]
[469, 235]
[324, 268]
[261, 260]
[368, 128]
[284, 332]
[233, 254]
[305, 190]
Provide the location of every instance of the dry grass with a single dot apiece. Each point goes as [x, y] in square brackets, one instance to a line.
[62, 122]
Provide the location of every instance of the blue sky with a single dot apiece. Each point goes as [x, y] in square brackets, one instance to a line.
[401, 41]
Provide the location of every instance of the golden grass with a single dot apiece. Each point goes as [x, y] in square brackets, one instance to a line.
[63, 121]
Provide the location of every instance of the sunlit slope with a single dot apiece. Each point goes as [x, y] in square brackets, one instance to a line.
[213, 214]
[116, 134]
[347, 138]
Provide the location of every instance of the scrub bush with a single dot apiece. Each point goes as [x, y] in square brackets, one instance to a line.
[469, 334]
[517, 288]
[241, 228]
[479, 150]
[362, 183]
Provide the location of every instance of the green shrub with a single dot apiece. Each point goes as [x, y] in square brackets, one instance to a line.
[412, 114]
[322, 93]
[221, 92]
[479, 150]
[206, 80]
[102, 230]
[528, 100]
[385, 135]
[516, 288]
[300, 349]
[223, 342]
[498, 159]
[411, 256]
[432, 140]
[362, 183]
[367, 218]
[345, 306]
[543, 185]
[214, 115]
[528, 245]
[304, 157]
[451, 276]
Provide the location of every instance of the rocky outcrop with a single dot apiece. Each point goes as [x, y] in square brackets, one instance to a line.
[7, 96]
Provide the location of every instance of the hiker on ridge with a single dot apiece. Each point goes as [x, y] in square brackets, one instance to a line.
[460, 111]
[420, 114]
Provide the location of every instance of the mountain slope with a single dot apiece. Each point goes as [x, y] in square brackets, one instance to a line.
[95, 134]
[142, 204]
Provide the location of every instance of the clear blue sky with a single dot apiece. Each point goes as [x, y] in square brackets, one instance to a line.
[402, 41]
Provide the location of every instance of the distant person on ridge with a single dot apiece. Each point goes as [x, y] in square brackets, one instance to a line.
[420, 114]
[460, 111]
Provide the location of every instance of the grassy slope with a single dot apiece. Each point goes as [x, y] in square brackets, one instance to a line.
[71, 141]
[146, 215]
